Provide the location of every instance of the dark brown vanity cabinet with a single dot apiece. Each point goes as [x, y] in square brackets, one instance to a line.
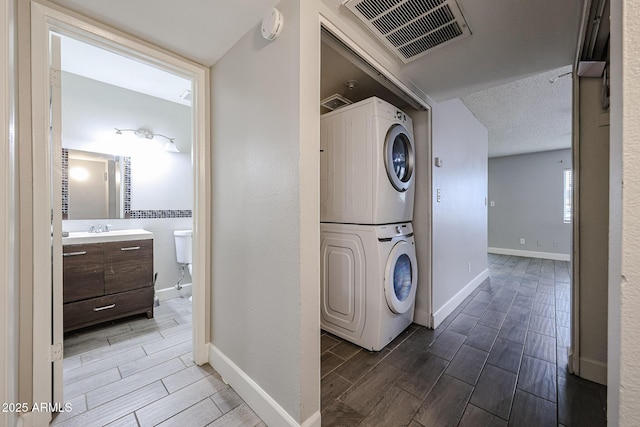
[83, 272]
[107, 281]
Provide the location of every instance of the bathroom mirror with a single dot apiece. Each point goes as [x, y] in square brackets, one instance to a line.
[95, 185]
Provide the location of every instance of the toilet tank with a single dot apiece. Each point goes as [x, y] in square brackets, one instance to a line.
[183, 245]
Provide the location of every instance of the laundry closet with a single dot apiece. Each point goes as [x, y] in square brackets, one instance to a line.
[375, 198]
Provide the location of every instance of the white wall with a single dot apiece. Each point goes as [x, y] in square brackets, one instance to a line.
[460, 218]
[528, 192]
[624, 292]
[265, 255]
[159, 180]
[90, 112]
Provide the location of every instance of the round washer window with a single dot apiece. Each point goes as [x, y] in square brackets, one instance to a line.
[399, 160]
[400, 157]
[402, 277]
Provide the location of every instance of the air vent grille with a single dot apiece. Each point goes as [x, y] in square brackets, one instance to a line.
[372, 8]
[411, 28]
[431, 40]
[404, 13]
[422, 26]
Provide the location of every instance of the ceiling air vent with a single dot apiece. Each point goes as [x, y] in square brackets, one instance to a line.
[411, 28]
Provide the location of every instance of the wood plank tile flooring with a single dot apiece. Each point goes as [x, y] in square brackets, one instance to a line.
[139, 372]
[499, 359]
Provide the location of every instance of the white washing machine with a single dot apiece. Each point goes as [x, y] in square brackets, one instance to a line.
[367, 161]
[368, 276]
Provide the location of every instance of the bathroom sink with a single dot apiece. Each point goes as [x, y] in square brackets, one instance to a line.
[83, 237]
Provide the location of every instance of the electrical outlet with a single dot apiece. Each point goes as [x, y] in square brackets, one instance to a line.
[522, 240]
[438, 195]
[539, 243]
[492, 203]
[555, 244]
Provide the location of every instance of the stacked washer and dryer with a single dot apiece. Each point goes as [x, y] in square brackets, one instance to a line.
[368, 260]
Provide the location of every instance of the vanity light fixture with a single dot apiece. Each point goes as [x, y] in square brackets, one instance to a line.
[169, 146]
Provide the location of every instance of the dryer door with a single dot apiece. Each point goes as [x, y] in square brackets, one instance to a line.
[399, 157]
[401, 277]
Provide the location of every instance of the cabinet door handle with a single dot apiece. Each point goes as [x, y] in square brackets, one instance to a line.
[131, 248]
[106, 307]
[74, 253]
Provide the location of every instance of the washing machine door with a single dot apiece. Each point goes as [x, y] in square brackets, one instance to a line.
[399, 157]
[401, 277]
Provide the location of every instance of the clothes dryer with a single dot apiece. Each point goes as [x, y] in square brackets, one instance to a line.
[368, 281]
[367, 161]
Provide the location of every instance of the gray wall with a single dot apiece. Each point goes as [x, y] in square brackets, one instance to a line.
[594, 230]
[527, 190]
[460, 218]
[265, 163]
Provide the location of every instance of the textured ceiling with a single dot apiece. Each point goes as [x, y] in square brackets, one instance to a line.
[528, 115]
[510, 40]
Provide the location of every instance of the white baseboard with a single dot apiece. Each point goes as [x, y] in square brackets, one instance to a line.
[255, 396]
[530, 254]
[593, 370]
[172, 292]
[454, 302]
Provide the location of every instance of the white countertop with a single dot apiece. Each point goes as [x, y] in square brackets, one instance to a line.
[83, 237]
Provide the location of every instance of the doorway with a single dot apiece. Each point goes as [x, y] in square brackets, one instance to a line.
[122, 121]
[47, 176]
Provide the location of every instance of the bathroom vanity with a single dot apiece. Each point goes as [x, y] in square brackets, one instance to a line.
[106, 276]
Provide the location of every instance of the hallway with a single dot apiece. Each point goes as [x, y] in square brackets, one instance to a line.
[499, 359]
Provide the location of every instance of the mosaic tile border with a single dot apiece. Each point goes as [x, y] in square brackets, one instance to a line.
[146, 214]
[127, 187]
[65, 183]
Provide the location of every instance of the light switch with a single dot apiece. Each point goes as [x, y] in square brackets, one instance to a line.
[492, 203]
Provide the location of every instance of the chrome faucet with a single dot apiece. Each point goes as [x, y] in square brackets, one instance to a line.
[99, 228]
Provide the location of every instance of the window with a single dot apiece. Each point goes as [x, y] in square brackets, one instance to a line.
[568, 185]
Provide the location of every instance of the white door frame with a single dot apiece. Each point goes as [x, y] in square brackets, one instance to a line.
[46, 18]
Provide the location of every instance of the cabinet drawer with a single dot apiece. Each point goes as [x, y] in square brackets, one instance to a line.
[97, 310]
[128, 265]
[82, 271]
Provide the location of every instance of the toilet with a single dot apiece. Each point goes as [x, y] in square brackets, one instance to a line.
[183, 239]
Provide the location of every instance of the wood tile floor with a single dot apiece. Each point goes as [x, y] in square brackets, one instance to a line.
[499, 359]
[139, 372]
